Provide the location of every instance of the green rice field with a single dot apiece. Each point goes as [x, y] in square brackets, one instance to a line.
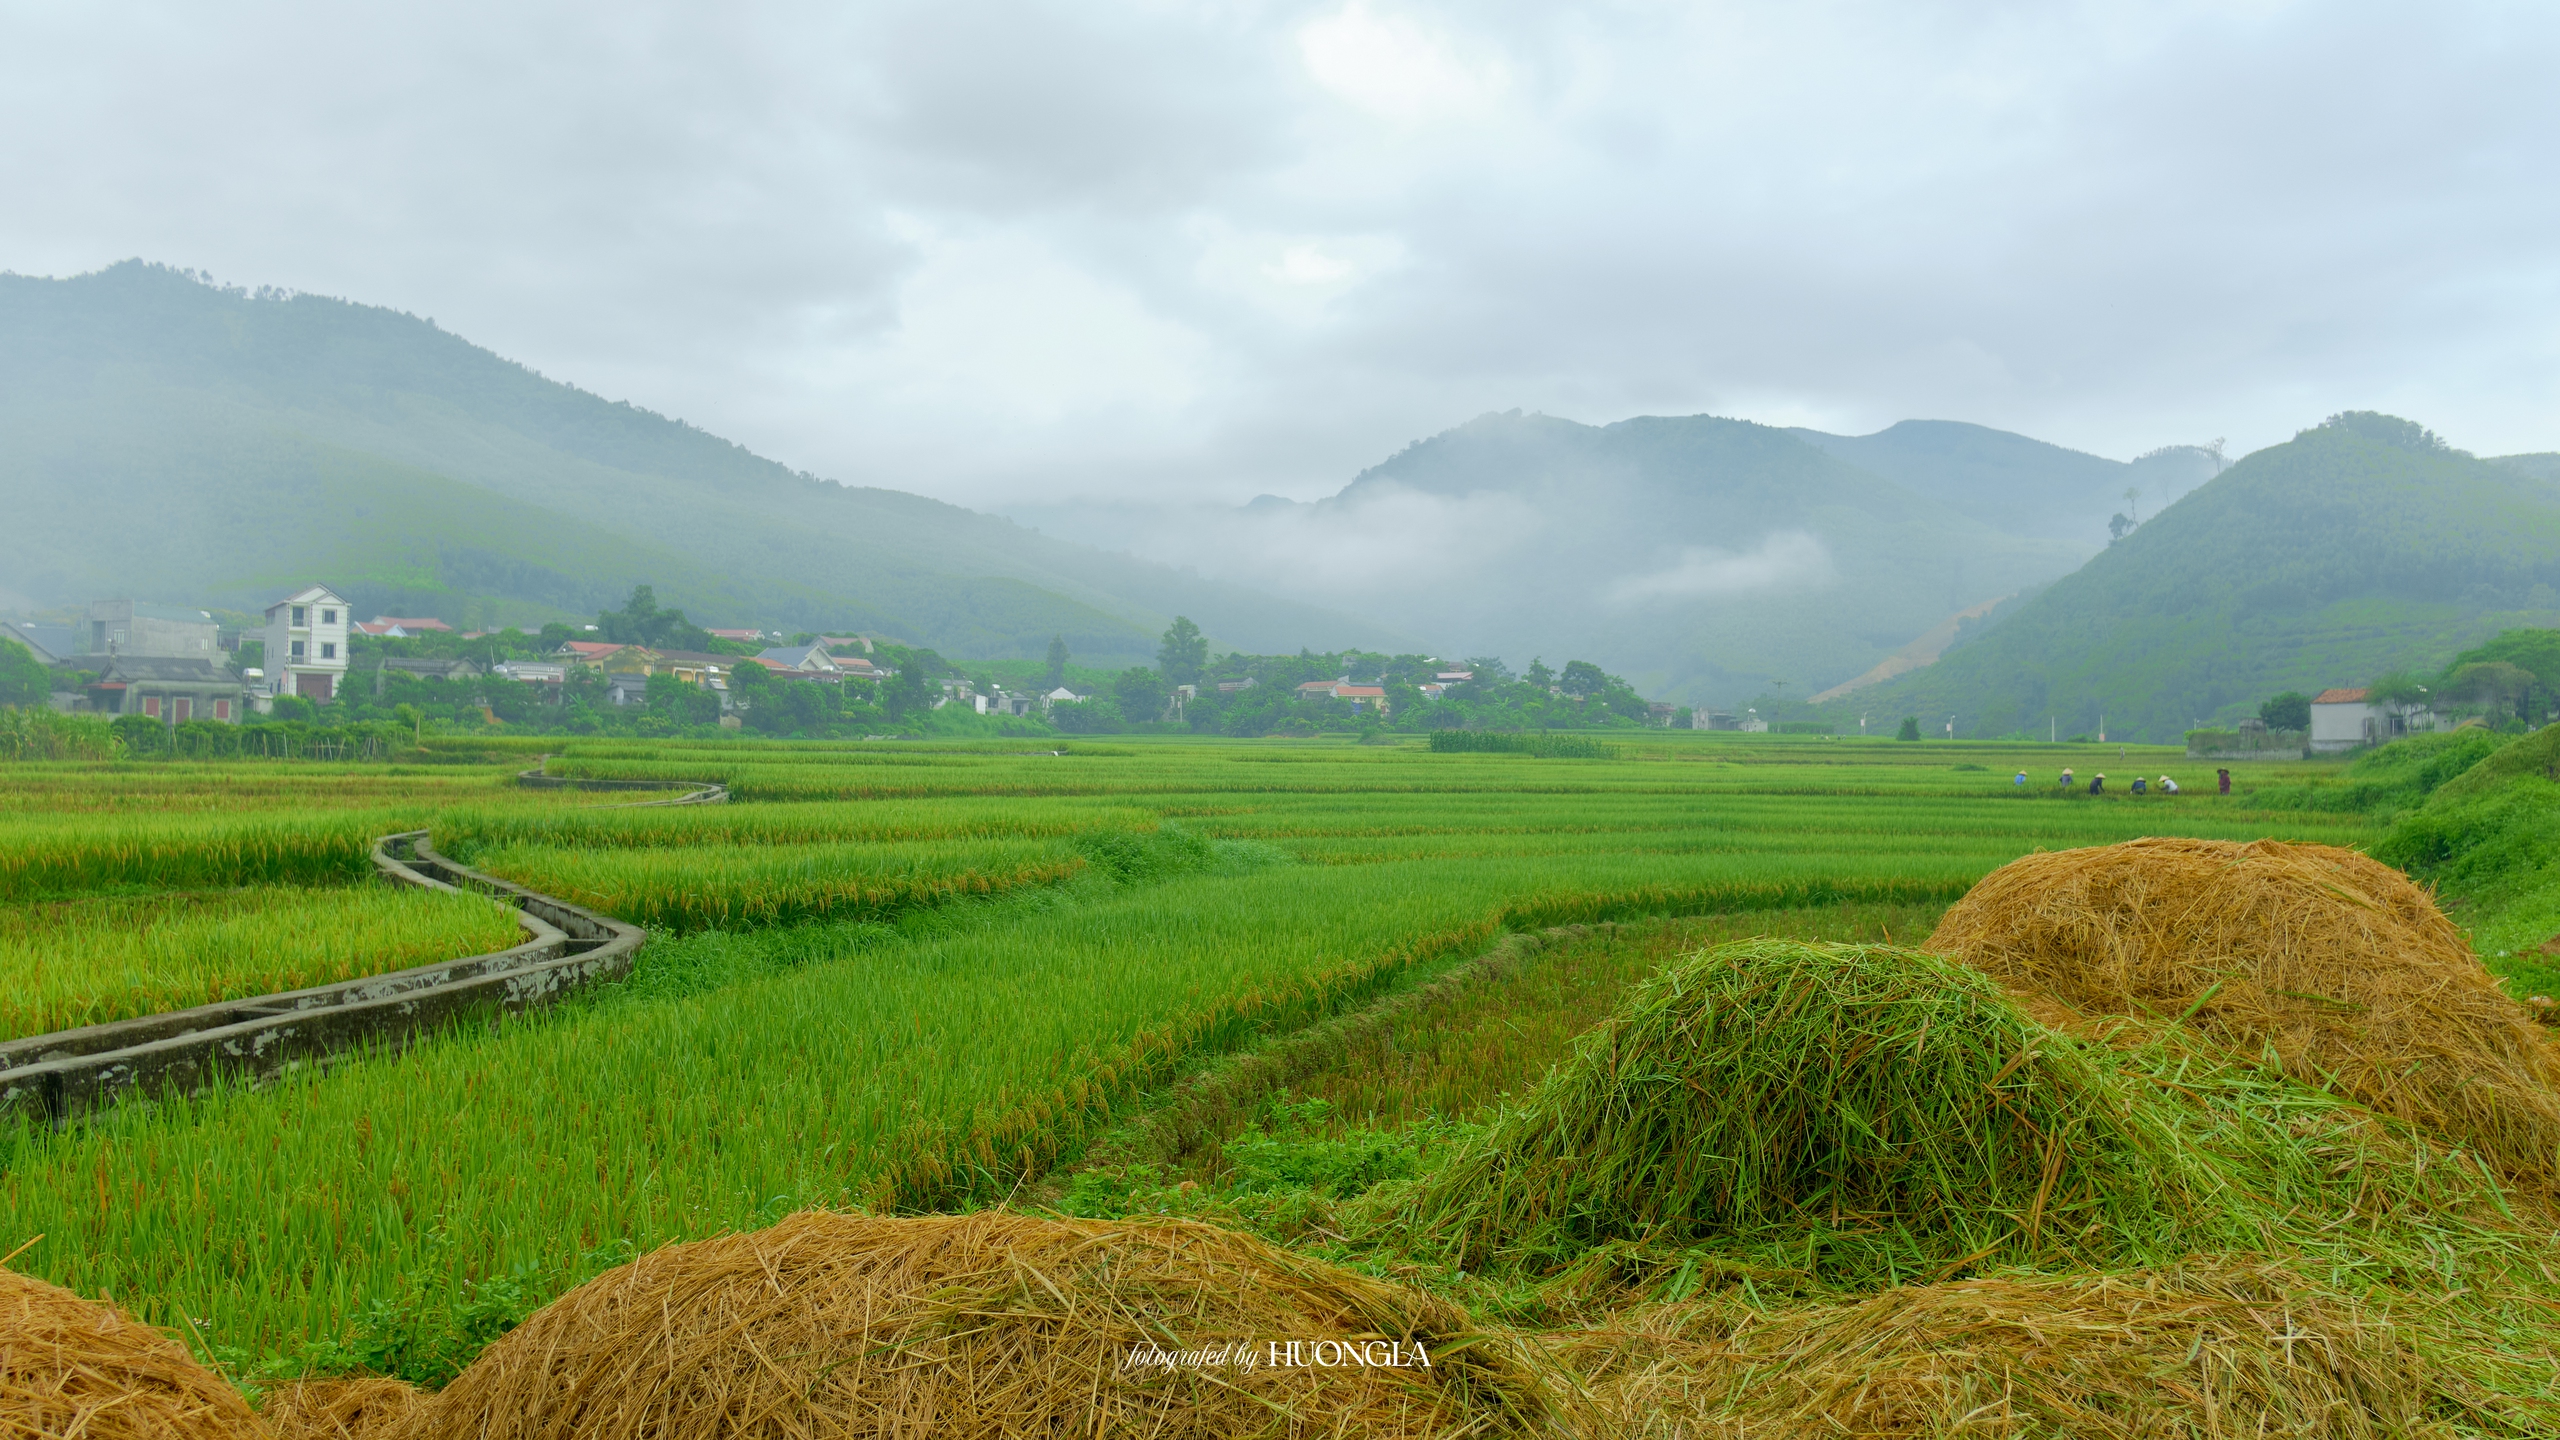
[921, 975]
[87, 961]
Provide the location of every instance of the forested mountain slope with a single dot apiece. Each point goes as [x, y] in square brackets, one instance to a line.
[165, 437]
[2359, 547]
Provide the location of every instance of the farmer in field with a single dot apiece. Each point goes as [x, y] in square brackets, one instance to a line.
[2098, 783]
[2168, 786]
[2066, 777]
[2022, 778]
[2224, 775]
[2138, 786]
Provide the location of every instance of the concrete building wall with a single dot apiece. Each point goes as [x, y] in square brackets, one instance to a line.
[130, 627]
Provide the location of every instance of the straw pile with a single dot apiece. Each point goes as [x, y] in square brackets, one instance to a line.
[978, 1325]
[2199, 1352]
[2334, 964]
[1869, 1113]
[70, 1366]
[360, 1409]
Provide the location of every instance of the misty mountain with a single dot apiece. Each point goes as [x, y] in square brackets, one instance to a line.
[2018, 485]
[1705, 559]
[2359, 547]
[165, 438]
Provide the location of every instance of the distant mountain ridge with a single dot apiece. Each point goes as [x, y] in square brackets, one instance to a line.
[2019, 485]
[2363, 545]
[164, 436]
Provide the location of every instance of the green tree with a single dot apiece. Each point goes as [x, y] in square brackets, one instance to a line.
[1141, 693]
[1538, 674]
[414, 718]
[641, 622]
[1183, 654]
[1057, 661]
[1097, 716]
[23, 678]
[681, 702]
[2493, 684]
[2288, 711]
[1910, 728]
[1582, 680]
[2398, 688]
[911, 691]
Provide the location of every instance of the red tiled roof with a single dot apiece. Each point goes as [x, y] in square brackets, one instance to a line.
[1360, 692]
[2340, 697]
[591, 649]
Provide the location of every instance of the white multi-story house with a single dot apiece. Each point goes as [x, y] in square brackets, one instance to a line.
[307, 645]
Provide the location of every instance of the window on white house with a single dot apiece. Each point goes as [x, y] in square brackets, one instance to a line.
[328, 649]
[301, 617]
[297, 649]
[328, 617]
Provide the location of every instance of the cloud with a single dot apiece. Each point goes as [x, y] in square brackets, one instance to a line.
[1788, 560]
[1010, 250]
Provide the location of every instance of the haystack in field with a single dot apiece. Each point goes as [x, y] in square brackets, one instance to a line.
[2334, 963]
[367, 1408]
[70, 1366]
[1870, 1113]
[2199, 1353]
[987, 1325]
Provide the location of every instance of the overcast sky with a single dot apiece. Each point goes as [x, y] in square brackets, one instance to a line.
[1016, 252]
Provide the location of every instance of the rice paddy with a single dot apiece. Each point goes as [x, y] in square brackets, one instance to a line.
[89, 961]
[911, 977]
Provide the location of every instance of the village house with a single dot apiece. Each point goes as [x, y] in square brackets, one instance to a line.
[808, 659]
[590, 653]
[1361, 696]
[307, 645]
[743, 637]
[393, 627]
[2343, 720]
[50, 644]
[172, 688]
[135, 627]
[385, 668]
[549, 674]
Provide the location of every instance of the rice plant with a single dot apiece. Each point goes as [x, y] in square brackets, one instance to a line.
[86, 962]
